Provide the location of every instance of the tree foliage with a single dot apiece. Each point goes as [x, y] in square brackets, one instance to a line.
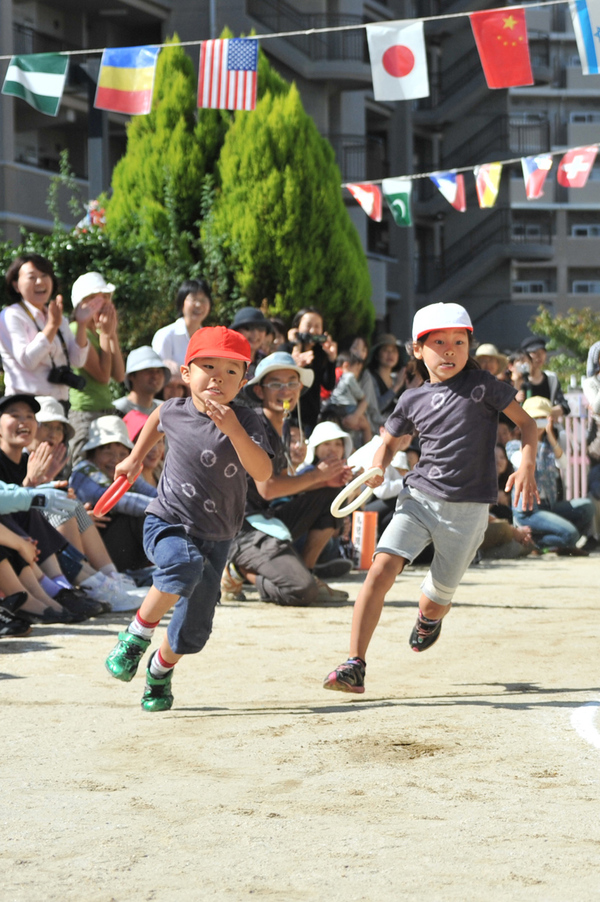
[570, 335]
[278, 228]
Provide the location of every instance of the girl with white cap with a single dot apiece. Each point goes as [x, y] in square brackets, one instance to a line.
[447, 495]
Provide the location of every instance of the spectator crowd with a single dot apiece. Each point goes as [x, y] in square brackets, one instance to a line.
[74, 406]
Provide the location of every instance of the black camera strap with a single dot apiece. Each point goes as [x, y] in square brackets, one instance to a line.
[58, 332]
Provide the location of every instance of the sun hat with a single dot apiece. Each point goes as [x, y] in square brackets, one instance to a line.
[440, 316]
[134, 421]
[251, 317]
[533, 343]
[490, 350]
[144, 358]
[327, 431]
[218, 341]
[20, 396]
[279, 360]
[87, 284]
[52, 411]
[539, 409]
[105, 431]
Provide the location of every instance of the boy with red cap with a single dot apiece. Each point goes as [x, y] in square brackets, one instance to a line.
[199, 507]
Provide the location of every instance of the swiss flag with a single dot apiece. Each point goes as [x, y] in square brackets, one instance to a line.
[575, 166]
[398, 60]
[369, 197]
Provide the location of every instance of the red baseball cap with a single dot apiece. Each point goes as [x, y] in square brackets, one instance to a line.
[218, 341]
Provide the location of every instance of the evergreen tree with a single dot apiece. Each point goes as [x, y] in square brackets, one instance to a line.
[570, 335]
[278, 228]
[157, 184]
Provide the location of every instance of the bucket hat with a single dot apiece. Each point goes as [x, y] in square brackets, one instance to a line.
[87, 284]
[52, 411]
[539, 409]
[327, 431]
[106, 430]
[144, 358]
[490, 350]
[280, 360]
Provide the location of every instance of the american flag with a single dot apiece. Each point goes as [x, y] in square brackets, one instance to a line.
[228, 72]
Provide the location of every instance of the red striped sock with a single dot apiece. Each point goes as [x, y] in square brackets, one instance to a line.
[159, 667]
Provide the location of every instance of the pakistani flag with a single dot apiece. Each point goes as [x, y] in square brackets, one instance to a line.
[38, 78]
[397, 195]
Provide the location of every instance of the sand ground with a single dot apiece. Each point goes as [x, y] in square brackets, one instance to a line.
[469, 772]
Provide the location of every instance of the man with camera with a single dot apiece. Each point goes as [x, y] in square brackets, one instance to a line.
[38, 349]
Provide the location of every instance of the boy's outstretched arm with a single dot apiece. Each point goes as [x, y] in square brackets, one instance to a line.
[523, 480]
[253, 458]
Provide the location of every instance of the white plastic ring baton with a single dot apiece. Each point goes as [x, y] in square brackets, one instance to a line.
[336, 507]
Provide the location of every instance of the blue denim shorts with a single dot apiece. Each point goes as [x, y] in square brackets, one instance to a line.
[456, 529]
[191, 568]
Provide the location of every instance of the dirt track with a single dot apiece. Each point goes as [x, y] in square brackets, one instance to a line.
[457, 776]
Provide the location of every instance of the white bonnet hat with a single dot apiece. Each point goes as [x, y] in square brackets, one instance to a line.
[106, 430]
[327, 432]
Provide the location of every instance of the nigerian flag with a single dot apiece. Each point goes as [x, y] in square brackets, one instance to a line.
[38, 78]
[397, 194]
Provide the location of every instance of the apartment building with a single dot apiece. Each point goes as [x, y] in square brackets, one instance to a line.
[502, 263]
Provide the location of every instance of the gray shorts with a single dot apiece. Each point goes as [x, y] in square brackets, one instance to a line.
[456, 529]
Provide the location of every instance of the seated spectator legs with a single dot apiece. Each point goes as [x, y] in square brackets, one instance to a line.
[548, 529]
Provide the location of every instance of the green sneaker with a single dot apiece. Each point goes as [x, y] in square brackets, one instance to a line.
[157, 692]
[123, 661]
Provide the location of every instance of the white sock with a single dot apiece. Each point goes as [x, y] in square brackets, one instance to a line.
[159, 667]
[109, 569]
[142, 628]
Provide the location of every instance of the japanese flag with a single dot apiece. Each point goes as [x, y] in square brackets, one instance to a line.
[398, 60]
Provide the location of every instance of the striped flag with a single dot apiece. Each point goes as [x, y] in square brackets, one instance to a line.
[39, 79]
[126, 80]
[487, 183]
[228, 74]
[586, 25]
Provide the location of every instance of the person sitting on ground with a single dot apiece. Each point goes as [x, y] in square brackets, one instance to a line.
[263, 552]
[348, 401]
[591, 390]
[145, 376]
[193, 303]
[104, 362]
[107, 446]
[152, 463]
[555, 525]
[36, 344]
[539, 382]
[85, 561]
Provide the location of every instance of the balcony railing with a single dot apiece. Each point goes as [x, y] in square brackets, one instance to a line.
[502, 134]
[277, 15]
[360, 157]
[28, 40]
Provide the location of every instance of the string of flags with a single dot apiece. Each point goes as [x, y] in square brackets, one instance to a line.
[229, 67]
[572, 172]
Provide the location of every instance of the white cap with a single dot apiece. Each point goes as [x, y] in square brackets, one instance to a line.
[327, 431]
[105, 431]
[87, 284]
[52, 411]
[440, 316]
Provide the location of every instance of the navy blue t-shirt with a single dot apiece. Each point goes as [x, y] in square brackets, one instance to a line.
[203, 484]
[457, 422]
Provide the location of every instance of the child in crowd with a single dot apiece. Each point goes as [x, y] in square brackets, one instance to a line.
[348, 399]
[446, 497]
[145, 376]
[199, 508]
[152, 463]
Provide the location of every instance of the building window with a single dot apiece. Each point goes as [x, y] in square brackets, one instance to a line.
[582, 230]
[580, 287]
[584, 117]
[530, 287]
[524, 231]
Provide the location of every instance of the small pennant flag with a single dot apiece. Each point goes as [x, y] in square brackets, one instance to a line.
[126, 80]
[535, 170]
[398, 61]
[575, 167]
[586, 25]
[501, 38]
[452, 186]
[397, 194]
[38, 78]
[487, 183]
[228, 74]
[369, 197]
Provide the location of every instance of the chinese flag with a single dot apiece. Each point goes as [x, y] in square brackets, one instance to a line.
[501, 38]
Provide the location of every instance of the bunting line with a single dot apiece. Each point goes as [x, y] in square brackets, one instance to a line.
[326, 30]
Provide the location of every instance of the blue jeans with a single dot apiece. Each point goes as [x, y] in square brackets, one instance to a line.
[191, 568]
[559, 527]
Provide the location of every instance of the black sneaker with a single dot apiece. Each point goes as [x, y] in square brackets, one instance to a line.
[79, 604]
[334, 569]
[10, 627]
[424, 634]
[348, 677]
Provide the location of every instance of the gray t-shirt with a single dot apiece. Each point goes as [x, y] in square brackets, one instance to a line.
[457, 421]
[203, 485]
